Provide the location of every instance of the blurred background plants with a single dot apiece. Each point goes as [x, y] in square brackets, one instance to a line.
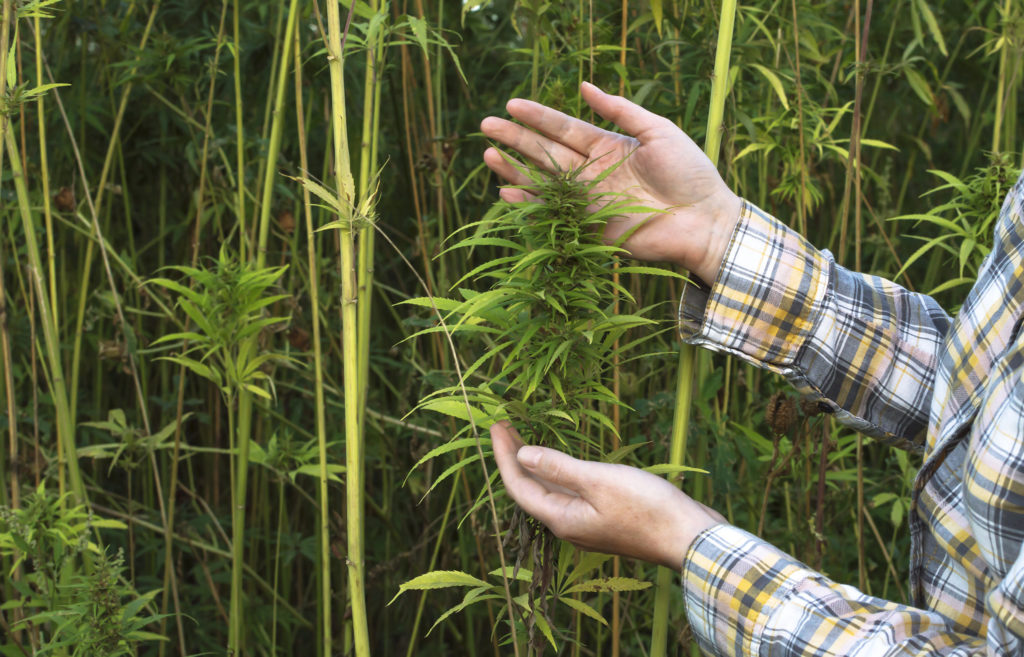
[196, 133]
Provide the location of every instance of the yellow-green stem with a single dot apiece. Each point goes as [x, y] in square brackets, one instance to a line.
[997, 128]
[318, 375]
[350, 339]
[44, 178]
[677, 454]
[684, 389]
[239, 139]
[65, 426]
[243, 427]
[367, 176]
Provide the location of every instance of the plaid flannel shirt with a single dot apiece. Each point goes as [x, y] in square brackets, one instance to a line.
[892, 364]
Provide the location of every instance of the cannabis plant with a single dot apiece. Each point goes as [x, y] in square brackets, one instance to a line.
[227, 303]
[72, 596]
[549, 333]
[546, 324]
[965, 221]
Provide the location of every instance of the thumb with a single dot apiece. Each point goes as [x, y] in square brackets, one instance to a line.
[554, 466]
[629, 116]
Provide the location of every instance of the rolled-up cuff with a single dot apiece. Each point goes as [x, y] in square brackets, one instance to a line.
[732, 583]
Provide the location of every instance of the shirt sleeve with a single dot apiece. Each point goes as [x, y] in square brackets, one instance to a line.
[746, 597]
[865, 348]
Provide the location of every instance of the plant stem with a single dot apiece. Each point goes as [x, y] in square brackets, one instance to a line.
[245, 400]
[684, 386]
[350, 337]
[239, 138]
[318, 375]
[65, 426]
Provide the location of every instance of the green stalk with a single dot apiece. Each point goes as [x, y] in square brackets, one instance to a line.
[997, 128]
[170, 581]
[616, 628]
[318, 375]
[677, 454]
[243, 427]
[367, 174]
[239, 139]
[350, 339]
[44, 178]
[65, 426]
[684, 388]
[12, 429]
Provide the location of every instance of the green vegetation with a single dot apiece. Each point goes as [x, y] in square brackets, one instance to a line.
[222, 222]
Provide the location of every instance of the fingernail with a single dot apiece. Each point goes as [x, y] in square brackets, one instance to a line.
[529, 456]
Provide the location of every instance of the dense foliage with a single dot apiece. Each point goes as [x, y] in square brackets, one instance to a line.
[181, 226]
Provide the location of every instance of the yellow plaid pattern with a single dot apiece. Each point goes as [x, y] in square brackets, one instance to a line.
[894, 365]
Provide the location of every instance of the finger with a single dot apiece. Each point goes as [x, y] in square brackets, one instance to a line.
[556, 467]
[516, 195]
[506, 166]
[544, 152]
[633, 119]
[534, 496]
[574, 133]
[518, 482]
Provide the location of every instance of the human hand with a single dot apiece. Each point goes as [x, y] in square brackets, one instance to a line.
[601, 507]
[663, 170]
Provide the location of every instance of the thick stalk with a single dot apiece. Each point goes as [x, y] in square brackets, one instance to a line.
[677, 453]
[616, 370]
[350, 340]
[684, 388]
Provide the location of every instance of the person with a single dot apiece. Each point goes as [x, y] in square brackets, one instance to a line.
[885, 361]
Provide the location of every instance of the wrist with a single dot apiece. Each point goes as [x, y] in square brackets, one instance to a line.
[721, 224]
[689, 523]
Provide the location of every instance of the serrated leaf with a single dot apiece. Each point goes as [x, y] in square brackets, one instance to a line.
[444, 449]
[439, 579]
[608, 584]
[589, 562]
[669, 468]
[651, 271]
[455, 407]
[545, 629]
[774, 81]
[583, 608]
[933, 26]
[510, 572]
[473, 596]
[196, 367]
[658, 15]
[920, 86]
[313, 470]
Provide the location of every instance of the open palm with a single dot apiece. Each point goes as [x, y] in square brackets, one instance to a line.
[661, 168]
